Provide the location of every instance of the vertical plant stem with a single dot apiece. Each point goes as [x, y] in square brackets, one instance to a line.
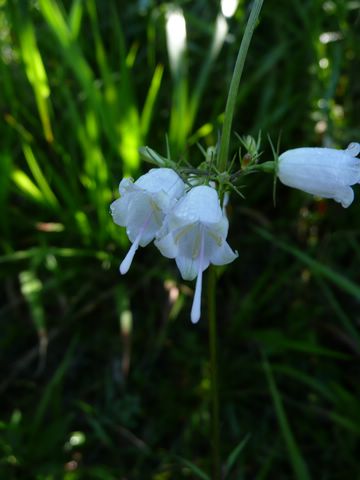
[221, 163]
[234, 85]
[215, 423]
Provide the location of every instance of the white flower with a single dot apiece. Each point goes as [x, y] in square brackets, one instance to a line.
[324, 172]
[194, 234]
[143, 205]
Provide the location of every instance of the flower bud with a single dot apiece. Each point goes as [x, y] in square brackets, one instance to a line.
[324, 172]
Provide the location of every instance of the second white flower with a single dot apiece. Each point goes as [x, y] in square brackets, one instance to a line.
[195, 234]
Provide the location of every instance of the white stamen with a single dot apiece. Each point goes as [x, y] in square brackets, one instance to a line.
[126, 263]
[196, 306]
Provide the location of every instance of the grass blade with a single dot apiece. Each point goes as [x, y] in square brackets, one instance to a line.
[36, 74]
[316, 267]
[234, 455]
[5, 181]
[75, 17]
[41, 181]
[31, 288]
[198, 473]
[220, 31]
[27, 186]
[149, 105]
[296, 458]
[55, 381]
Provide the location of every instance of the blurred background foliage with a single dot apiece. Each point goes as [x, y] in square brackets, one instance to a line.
[104, 377]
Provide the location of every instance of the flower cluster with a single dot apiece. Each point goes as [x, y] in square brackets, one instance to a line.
[186, 221]
[187, 224]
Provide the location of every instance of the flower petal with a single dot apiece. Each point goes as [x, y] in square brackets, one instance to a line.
[167, 246]
[223, 255]
[140, 217]
[126, 186]
[188, 238]
[345, 196]
[353, 149]
[219, 230]
[165, 179]
[189, 266]
[162, 201]
[119, 210]
[200, 204]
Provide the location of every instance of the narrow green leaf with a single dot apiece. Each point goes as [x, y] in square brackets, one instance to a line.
[296, 458]
[353, 334]
[149, 105]
[39, 252]
[346, 423]
[234, 84]
[310, 382]
[56, 19]
[27, 186]
[219, 33]
[234, 455]
[31, 288]
[56, 380]
[277, 341]
[36, 74]
[194, 469]
[75, 17]
[265, 469]
[99, 431]
[23, 133]
[5, 182]
[316, 267]
[41, 181]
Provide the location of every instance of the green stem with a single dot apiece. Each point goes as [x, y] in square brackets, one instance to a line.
[215, 424]
[234, 85]
[222, 161]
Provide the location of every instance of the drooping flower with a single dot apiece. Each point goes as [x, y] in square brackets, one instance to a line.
[194, 233]
[325, 172]
[142, 207]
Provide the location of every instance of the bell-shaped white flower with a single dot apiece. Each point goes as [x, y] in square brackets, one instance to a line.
[142, 207]
[325, 172]
[194, 233]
